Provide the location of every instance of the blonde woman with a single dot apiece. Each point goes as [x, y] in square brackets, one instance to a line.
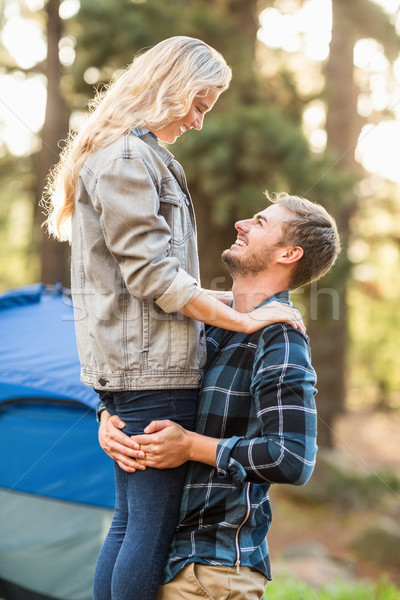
[123, 201]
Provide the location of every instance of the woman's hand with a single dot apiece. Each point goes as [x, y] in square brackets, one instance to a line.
[274, 312]
[119, 446]
[206, 308]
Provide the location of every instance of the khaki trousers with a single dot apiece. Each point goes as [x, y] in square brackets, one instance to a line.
[217, 582]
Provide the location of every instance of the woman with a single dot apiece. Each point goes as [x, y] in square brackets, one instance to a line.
[135, 282]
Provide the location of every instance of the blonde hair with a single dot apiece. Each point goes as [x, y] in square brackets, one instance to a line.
[158, 87]
[314, 230]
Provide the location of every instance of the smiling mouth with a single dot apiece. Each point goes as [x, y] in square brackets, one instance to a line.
[240, 242]
[184, 128]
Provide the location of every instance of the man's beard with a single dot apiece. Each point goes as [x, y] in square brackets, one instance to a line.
[247, 266]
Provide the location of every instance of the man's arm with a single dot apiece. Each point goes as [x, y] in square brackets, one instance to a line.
[283, 451]
[168, 445]
[283, 388]
[284, 448]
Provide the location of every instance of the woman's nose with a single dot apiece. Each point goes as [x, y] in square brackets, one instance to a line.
[198, 122]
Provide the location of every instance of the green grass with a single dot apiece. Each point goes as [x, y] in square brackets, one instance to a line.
[296, 590]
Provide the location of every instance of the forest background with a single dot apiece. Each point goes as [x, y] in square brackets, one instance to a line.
[313, 110]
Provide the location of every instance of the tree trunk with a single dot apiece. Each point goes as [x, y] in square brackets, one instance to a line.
[328, 328]
[212, 240]
[240, 52]
[54, 255]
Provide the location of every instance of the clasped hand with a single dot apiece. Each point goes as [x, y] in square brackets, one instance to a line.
[164, 444]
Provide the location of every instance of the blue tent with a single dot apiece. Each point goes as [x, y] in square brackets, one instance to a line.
[56, 484]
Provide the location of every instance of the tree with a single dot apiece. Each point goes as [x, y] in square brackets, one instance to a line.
[54, 255]
[52, 258]
[248, 143]
[251, 141]
[330, 337]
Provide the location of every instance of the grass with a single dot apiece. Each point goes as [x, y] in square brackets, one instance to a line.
[296, 590]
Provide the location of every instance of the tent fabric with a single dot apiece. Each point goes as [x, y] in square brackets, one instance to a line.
[48, 548]
[47, 447]
[51, 449]
[56, 484]
[38, 353]
[16, 592]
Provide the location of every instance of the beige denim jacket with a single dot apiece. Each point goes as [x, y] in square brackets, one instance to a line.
[134, 265]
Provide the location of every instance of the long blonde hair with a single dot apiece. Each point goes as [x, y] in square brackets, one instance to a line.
[158, 87]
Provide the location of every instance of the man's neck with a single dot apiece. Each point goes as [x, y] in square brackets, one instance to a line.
[249, 292]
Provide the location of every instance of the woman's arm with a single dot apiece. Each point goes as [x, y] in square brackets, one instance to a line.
[224, 296]
[203, 307]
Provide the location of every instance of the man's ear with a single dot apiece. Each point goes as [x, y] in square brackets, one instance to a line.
[290, 255]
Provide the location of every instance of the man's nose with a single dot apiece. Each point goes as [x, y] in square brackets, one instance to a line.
[243, 225]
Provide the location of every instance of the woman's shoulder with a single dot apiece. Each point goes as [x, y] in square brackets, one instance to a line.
[130, 147]
[125, 147]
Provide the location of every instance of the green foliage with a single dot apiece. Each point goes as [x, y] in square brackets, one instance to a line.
[124, 27]
[251, 141]
[373, 300]
[18, 260]
[334, 485]
[296, 590]
[375, 323]
[241, 152]
[356, 491]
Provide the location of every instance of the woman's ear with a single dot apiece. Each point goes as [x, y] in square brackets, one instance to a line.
[290, 255]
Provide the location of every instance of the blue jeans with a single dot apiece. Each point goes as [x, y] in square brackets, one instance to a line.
[131, 561]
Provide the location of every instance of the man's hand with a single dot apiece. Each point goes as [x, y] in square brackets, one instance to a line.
[119, 446]
[164, 445]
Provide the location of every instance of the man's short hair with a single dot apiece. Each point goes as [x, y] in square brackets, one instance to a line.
[314, 230]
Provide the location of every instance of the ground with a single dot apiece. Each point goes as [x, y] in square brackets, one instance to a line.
[314, 541]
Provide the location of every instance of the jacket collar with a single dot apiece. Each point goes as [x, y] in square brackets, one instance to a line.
[151, 140]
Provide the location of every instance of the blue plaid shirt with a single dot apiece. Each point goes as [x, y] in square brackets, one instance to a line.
[258, 397]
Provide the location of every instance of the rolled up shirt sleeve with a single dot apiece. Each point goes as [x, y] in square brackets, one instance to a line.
[138, 236]
[283, 449]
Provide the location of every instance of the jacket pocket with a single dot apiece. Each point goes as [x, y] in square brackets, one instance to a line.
[174, 207]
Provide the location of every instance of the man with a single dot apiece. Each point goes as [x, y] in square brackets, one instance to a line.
[257, 420]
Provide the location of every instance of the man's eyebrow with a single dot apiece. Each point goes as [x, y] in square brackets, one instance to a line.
[259, 216]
